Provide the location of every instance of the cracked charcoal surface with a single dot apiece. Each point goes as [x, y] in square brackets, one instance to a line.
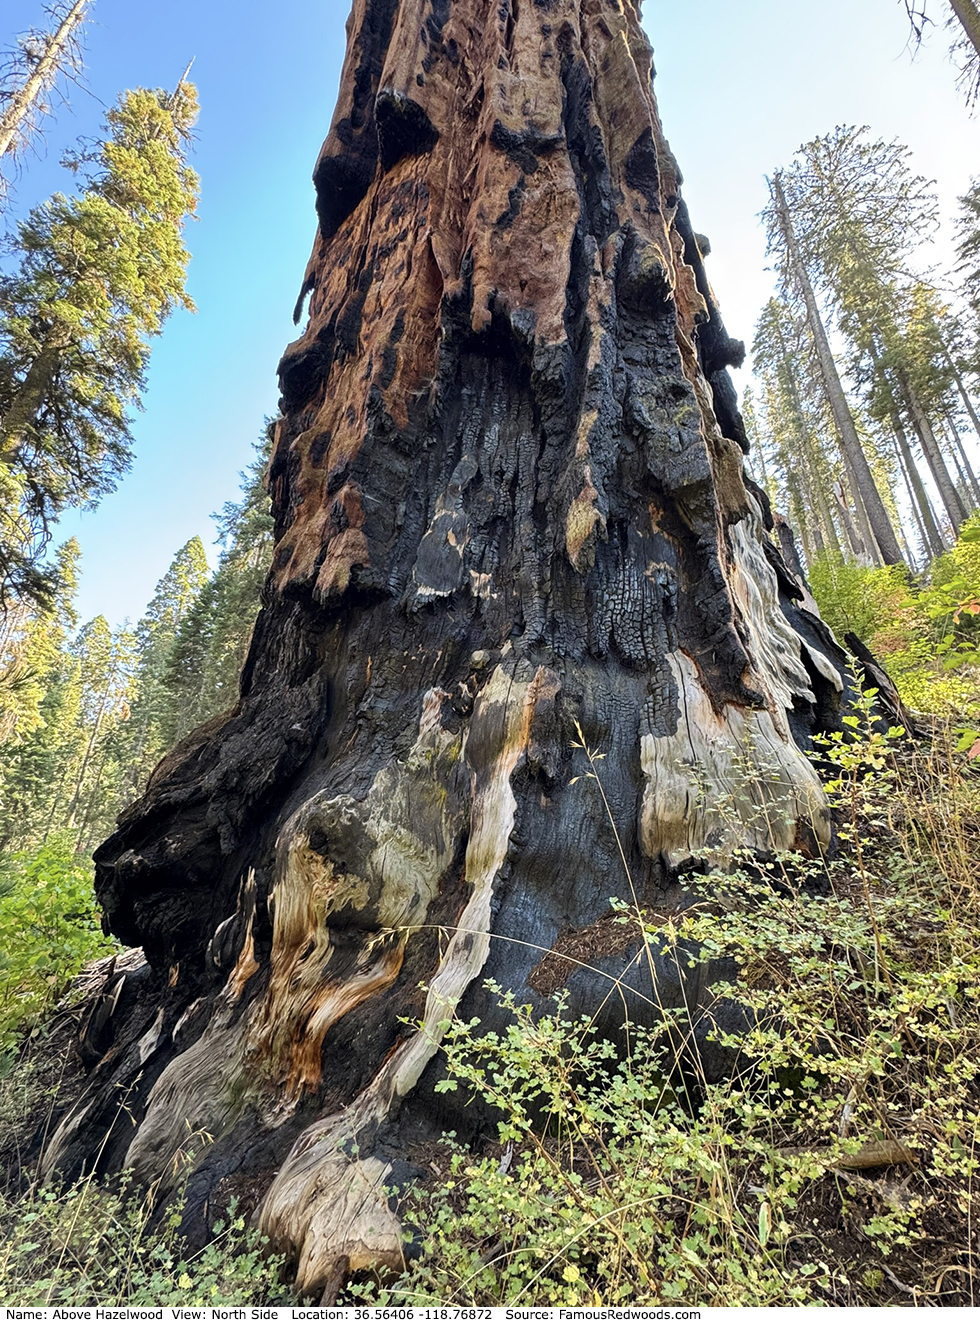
[509, 500]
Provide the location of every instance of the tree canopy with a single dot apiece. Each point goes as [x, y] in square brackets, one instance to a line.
[99, 272]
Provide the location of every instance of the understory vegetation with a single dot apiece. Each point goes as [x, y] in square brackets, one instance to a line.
[924, 630]
[836, 1164]
[836, 1161]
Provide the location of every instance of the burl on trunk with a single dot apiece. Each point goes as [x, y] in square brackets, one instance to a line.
[510, 498]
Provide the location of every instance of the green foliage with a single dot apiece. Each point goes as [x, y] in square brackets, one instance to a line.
[927, 635]
[856, 599]
[85, 718]
[203, 668]
[857, 980]
[31, 644]
[858, 213]
[616, 1194]
[49, 928]
[968, 245]
[91, 1244]
[99, 274]
[146, 736]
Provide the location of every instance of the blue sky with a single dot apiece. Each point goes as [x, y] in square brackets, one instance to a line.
[741, 84]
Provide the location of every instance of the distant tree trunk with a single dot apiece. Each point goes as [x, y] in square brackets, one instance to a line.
[929, 535]
[932, 453]
[824, 524]
[869, 545]
[961, 386]
[24, 98]
[932, 537]
[884, 533]
[969, 16]
[972, 489]
[818, 494]
[508, 507]
[89, 749]
[858, 548]
[934, 541]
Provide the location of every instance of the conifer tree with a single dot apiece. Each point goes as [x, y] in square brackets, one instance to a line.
[202, 673]
[968, 245]
[857, 213]
[795, 423]
[30, 73]
[90, 792]
[39, 696]
[798, 284]
[99, 274]
[156, 635]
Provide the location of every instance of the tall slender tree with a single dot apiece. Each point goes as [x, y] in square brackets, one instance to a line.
[30, 73]
[858, 212]
[204, 664]
[793, 424]
[784, 243]
[98, 276]
[148, 728]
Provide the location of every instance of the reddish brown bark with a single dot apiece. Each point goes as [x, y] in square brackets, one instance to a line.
[510, 503]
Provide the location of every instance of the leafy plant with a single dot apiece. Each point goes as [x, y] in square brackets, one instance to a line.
[49, 928]
[91, 1244]
[857, 979]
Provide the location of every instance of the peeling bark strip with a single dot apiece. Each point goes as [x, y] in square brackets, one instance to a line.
[510, 499]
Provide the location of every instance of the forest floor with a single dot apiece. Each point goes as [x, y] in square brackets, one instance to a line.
[836, 1165]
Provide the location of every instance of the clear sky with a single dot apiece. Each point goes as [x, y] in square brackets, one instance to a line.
[741, 84]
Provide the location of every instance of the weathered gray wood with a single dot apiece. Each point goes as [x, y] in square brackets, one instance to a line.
[510, 504]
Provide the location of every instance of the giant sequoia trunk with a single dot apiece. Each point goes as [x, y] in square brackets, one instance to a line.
[510, 498]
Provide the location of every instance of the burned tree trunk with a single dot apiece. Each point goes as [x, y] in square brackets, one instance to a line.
[510, 499]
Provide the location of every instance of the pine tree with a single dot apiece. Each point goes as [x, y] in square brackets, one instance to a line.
[39, 706]
[203, 669]
[30, 644]
[156, 634]
[857, 214]
[968, 245]
[784, 242]
[91, 792]
[31, 72]
[98, 276]
[796, 422]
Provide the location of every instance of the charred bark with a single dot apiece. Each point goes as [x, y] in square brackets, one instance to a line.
[510, 499]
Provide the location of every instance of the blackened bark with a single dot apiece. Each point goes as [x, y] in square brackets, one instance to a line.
[510, 501]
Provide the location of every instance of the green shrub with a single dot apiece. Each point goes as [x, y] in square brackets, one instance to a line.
[89, 1245]
[860, 978]
[927, 636]
[49, 928]
[855, 599]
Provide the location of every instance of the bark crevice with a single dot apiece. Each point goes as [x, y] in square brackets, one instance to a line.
[510, 504]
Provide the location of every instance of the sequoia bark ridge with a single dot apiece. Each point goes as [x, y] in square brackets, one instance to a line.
[510, 501]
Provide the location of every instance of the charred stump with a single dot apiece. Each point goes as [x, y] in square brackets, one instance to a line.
[510, 501]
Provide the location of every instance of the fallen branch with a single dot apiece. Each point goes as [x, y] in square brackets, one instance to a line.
[879, 1152]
